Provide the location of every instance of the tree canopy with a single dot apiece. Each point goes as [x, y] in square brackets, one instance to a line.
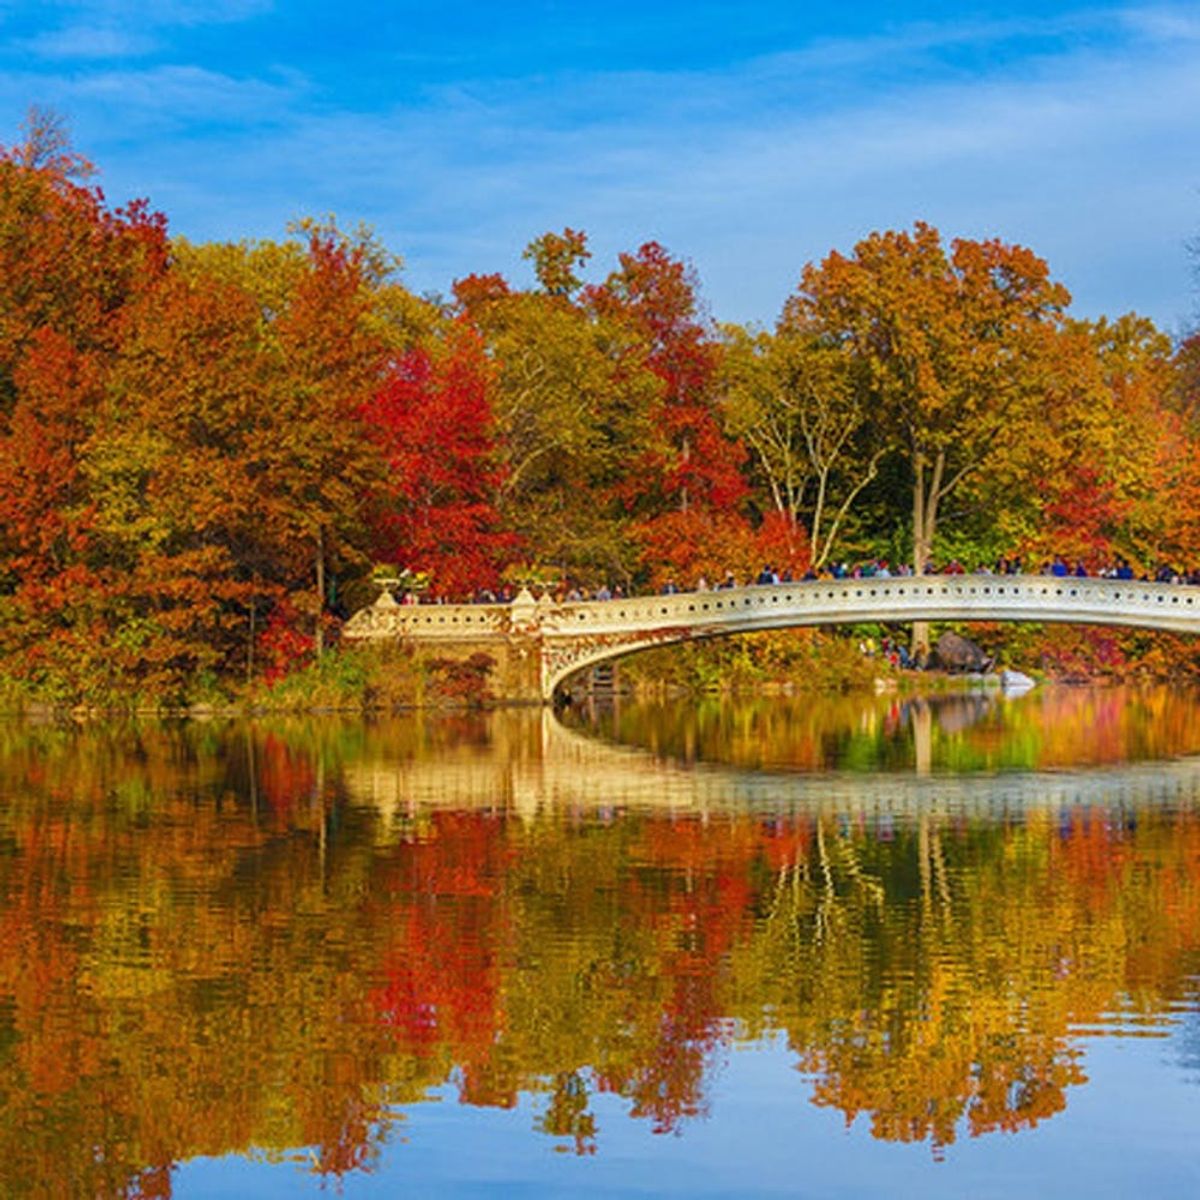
[197, 440]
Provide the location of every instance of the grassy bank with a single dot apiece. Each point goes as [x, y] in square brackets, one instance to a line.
[345, 679]
[357, 678]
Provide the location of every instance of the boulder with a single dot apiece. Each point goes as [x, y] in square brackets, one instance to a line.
[957, 653]
[1015, 681]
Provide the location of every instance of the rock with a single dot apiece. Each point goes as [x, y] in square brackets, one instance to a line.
[1015, 681]
[956, 653]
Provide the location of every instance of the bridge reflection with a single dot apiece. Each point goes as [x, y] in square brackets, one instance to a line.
[529, 761]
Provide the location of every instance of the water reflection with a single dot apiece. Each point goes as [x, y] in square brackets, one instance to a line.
[987, 730]
[225, 939]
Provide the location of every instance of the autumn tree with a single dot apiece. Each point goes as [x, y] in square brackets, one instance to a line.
[176, 504]
[432, 421]
[556, 258]
[799, 402]
[571, 401]
[685, 482]
[71, 267]
[954, 345]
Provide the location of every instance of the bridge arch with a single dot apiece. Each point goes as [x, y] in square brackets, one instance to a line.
[571, 637]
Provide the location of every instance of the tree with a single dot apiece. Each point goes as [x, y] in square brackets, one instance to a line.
[177, 507]
[432, 421]
[571, 398]
[72, 267]
[556, 257]
[955, 347]
[318, 464]
[688, 462]
[799, 403]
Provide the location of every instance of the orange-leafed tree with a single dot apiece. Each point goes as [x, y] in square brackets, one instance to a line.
[955, 343]
[71, 267]
[318, 465]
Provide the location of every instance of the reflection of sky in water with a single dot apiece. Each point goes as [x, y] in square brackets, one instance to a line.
[762, 1138]
[1186, 1038]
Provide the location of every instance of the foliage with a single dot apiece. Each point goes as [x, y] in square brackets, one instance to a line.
[800, 660]
[432, 421]
[202, 442]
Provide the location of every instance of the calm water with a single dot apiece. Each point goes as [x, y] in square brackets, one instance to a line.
[818, 948]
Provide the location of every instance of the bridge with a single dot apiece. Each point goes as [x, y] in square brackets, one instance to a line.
[537, 645]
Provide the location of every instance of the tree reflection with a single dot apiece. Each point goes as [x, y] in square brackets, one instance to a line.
[207, 946]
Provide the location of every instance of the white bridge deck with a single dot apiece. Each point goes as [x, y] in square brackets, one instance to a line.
[575, 635]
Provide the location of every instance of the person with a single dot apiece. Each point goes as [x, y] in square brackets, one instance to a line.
[603, 592]
[765, 575]
[669, 588]
[728, 581]
[702, 584]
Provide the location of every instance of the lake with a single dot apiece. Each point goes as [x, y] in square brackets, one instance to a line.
[792, 946]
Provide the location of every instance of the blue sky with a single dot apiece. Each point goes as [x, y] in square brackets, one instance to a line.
[749, 138]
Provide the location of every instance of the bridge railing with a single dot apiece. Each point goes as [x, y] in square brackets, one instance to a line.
[900, 598]
[896, 598]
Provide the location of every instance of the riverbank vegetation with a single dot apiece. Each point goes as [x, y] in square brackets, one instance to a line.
[207, 449]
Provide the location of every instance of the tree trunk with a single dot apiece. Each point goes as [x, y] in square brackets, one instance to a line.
[687, 457]
[920, 630]
[925, 507]
[319, 634]
[250, 644]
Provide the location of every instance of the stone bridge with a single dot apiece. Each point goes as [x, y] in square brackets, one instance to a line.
[536, 645]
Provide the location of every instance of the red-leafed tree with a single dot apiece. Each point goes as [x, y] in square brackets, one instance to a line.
[691, 464]
[433, 422]
[694, 464]
[71, 266]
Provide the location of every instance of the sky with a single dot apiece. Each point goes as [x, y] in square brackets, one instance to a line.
[748, 138]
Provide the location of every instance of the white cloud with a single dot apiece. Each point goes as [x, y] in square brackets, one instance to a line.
[88, 42]
[174, 100]
[158, 13]
[1162, 24]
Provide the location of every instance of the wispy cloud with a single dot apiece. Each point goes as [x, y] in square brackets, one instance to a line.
[155, 13]
[86, 30]
[88, 42]
[1163, 24]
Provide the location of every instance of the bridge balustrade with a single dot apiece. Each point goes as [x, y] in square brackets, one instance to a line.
[577, 634]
